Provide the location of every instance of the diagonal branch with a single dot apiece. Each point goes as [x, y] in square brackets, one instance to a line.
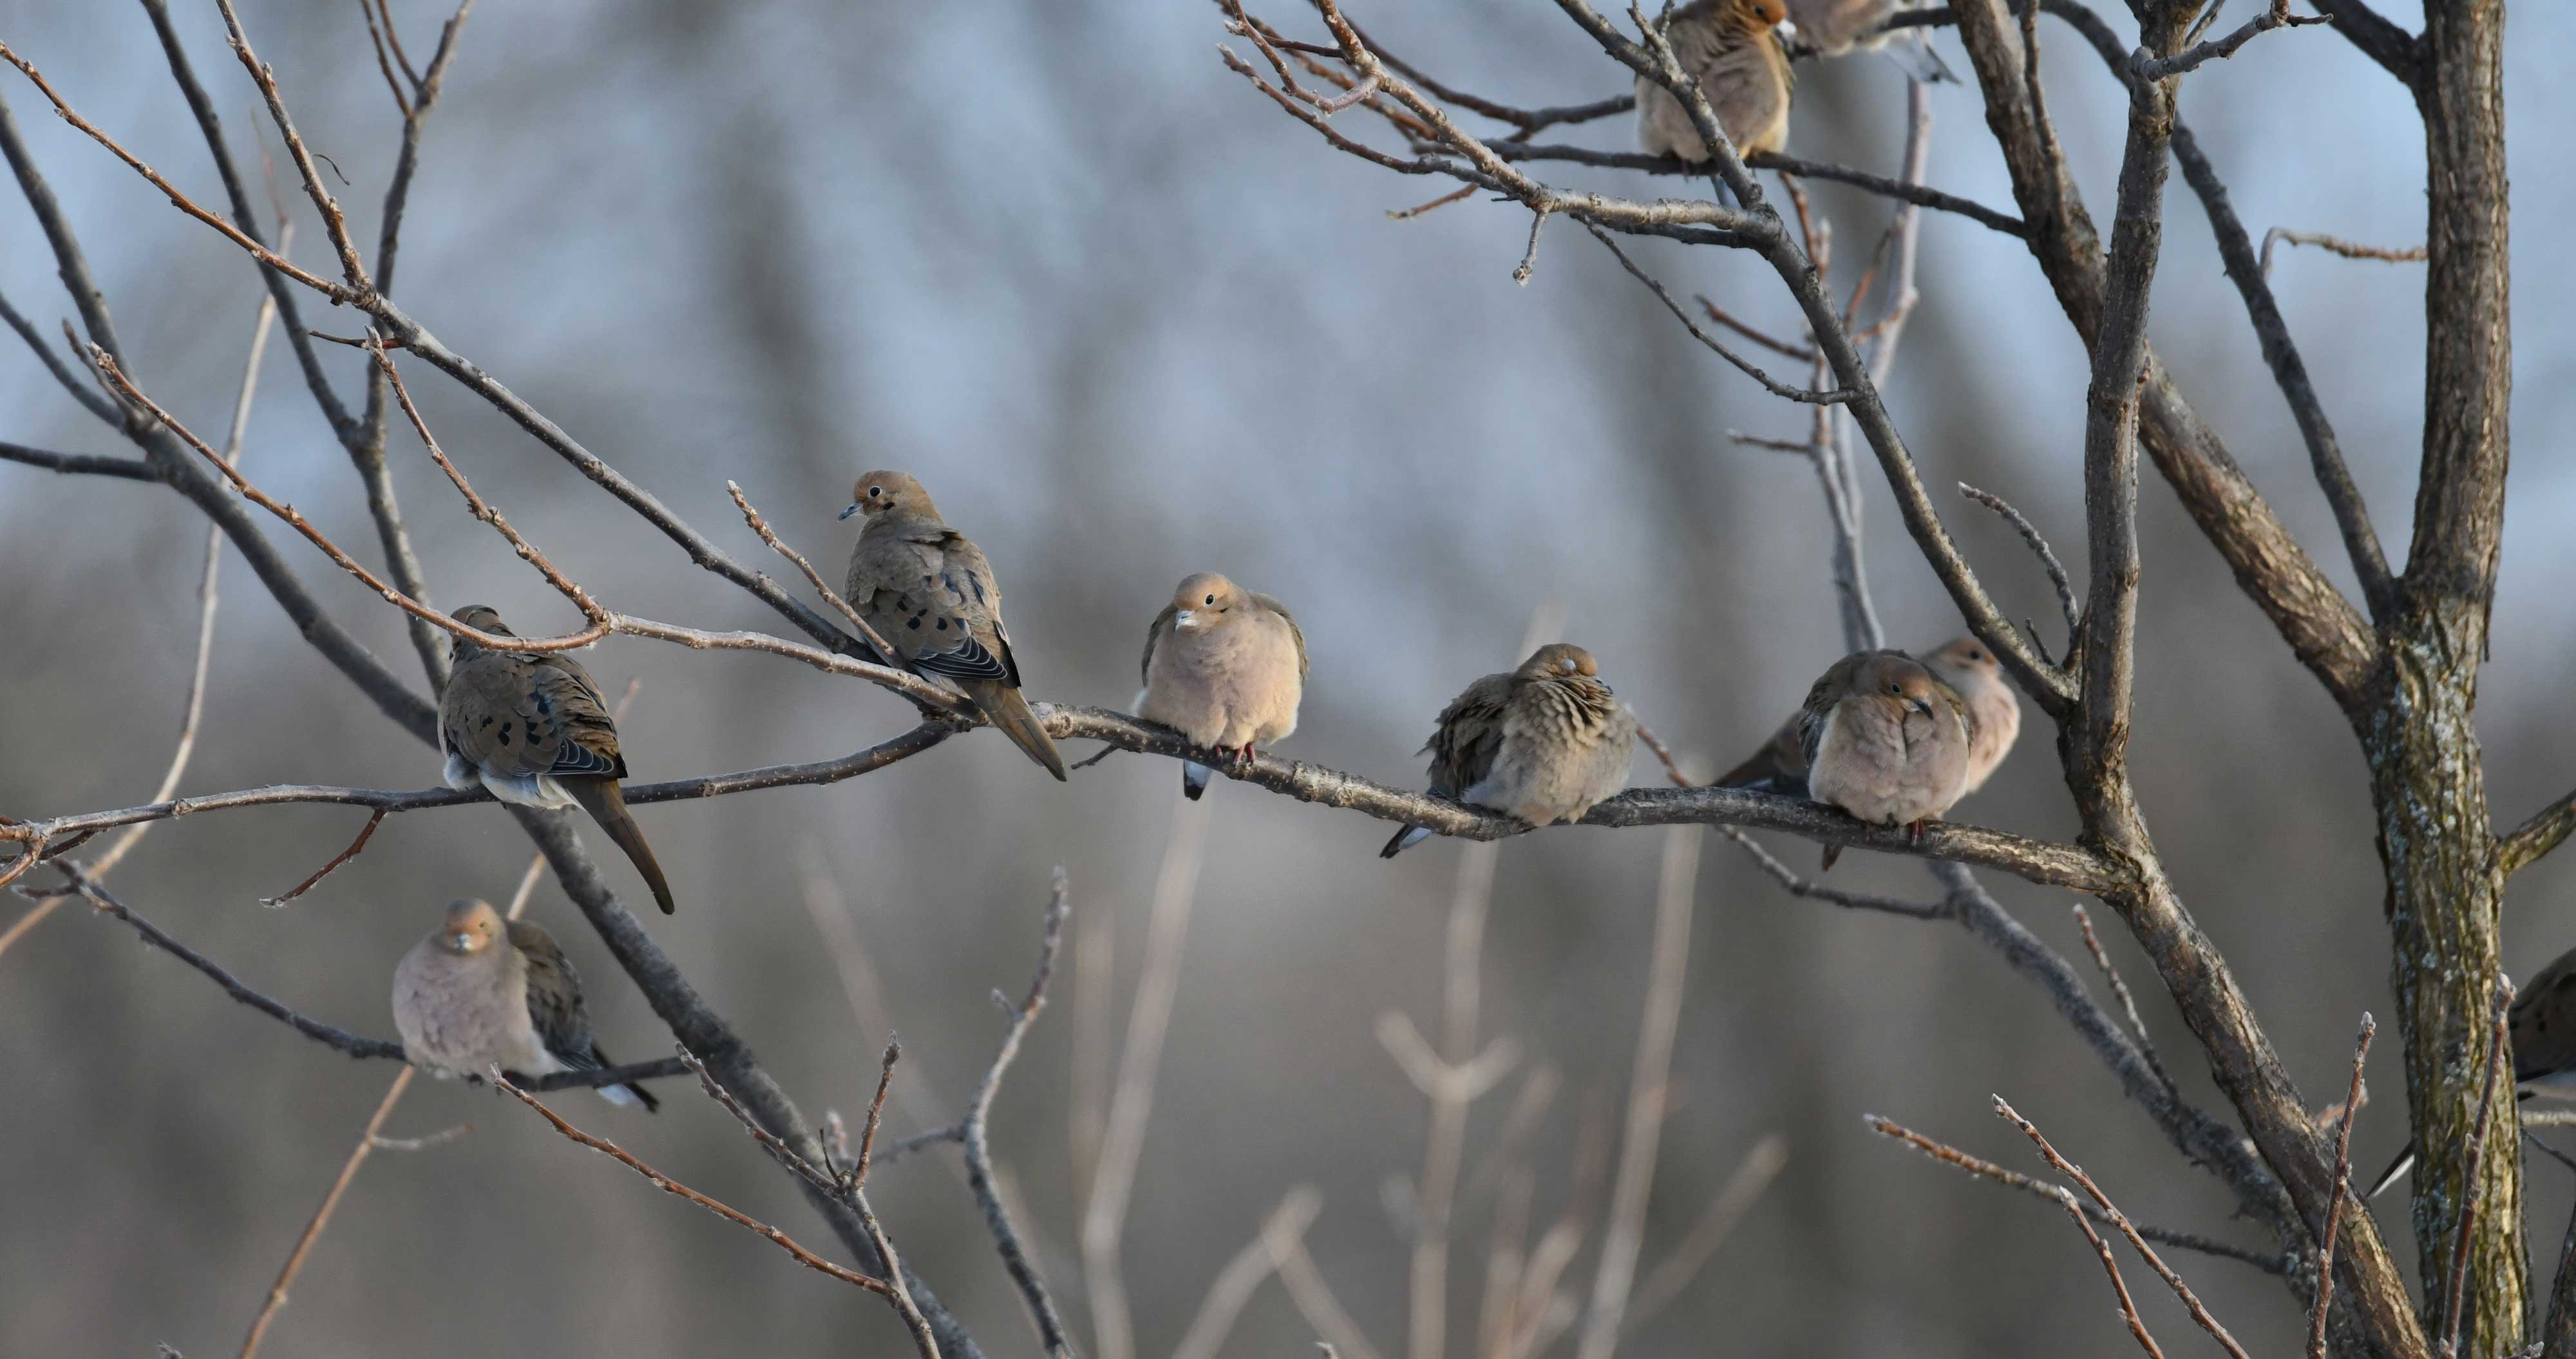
[979, 1156]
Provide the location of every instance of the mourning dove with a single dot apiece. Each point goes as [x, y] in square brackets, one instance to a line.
[534, 729]
[1730, 48]
[1832, 28]
[1965, 664]
[480, 992]
[1224, 667]
[928, 590]
[1969, 668]
[1542, 743]
[1885, 740]
[2541, 1025]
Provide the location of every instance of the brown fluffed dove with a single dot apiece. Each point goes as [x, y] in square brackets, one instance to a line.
[534, 728]
[1885, 740]
[1224, 667]
[1972, 671]
[1542, 743]
[929, 592]
[1729, 46]
[2541, 1025]
[481, 992]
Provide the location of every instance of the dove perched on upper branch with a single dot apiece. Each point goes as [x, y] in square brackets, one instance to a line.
[1730, 47]
[481, 992]
[1970, 669]
[2541, 1025]
[1834, 27]
[1224, 667]
[929, 592]
[1885, 740]
[1542, 743]
[534, 728]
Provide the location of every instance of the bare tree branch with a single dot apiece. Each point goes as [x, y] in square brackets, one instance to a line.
[2343, 1186]
[979, 1155]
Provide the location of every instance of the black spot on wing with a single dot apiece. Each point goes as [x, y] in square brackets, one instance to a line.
[968, 660]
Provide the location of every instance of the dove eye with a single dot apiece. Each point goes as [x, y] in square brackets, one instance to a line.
[1211, 599]
[875, 491]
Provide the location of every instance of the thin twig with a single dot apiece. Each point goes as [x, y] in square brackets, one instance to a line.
[2120, 992]
[2275, 15]
[1234, 1285]
[1742, 364]
[979, 1155]
[668, 1185]
[313, 1226]
[2074, 1172]
[1104, 1216]
[1683, 1263]
[373, 820]
[1649, 1083]
[2351, 250]
[2066, 603]
[884, 649]
[1988, 1170]
[2342, 1189]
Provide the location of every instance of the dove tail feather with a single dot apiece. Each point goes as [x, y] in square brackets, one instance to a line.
[1194, 779]
[2396, 1170]
[1007, 710]
[1832, 852]
[1405, 839]
[607, 806]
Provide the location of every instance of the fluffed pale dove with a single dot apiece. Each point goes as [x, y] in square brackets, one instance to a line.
[1969, 668]
[481, 992]
[1730, 47]
[534, 728]
[1542, 743]
[1885, 740]
[929, 592]
[2541, 1026]
[1224, 667]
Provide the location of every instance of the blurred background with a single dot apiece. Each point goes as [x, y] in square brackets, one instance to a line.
[1128, 321]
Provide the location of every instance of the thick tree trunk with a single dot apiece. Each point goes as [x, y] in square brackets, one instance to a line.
[2444, 881]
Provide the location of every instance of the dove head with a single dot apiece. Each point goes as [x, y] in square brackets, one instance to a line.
[1968, 657]
[890, 495]
[1558, 661]
[1204, 601]
[1899, 679]
[470, 927]
[1762, 13]
[481, 618]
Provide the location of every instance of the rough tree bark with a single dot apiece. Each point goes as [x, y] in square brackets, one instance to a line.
[2445, 881]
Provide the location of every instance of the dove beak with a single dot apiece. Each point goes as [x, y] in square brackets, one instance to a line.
[853, 509]
[1788, 28]
[1919, 706]
[1187, 620]
[464, 942]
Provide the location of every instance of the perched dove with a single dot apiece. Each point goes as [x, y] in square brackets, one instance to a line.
[1224, 667]
[2542, 1028]
[1885, 740]
[1833, 28]
[534, 728]
[1729, 46]
[1543, 743]
[480, 992]
[929, 592]
[1780, 766]
[1995, 711]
